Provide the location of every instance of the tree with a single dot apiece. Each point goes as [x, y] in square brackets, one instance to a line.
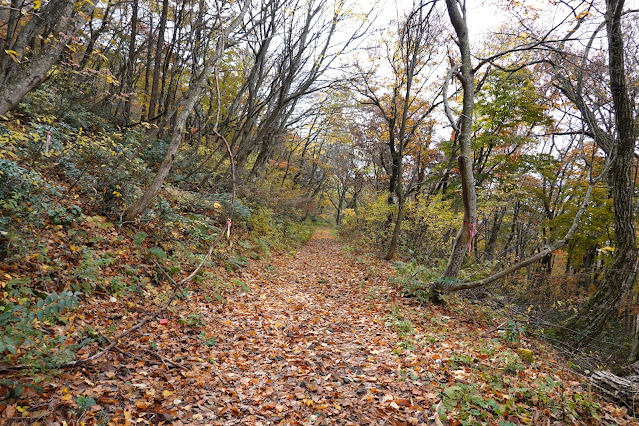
[619, 144]
[182, 111]
[401, 106]
[457, 14]
[282, 74]
[23, 67]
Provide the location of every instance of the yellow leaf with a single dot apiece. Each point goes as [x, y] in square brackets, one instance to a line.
[166, 393]
[22, 409]
[217, 205]
[14, 55]
[198, 416]
[37, 4]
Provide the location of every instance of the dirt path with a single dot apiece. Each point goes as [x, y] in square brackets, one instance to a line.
[309, 343]
[320, 337]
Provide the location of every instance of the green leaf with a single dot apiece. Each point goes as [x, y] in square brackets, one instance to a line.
[54, 296]
[40, 303]
[158, 252]
[56, 308]
[4, 318]
[139, 238]
[47, 310]
[19, 308]
[451, 391]
[63, 304]
[47, 300]
[40, 315]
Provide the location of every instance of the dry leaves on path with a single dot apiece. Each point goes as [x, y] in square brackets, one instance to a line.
[319, 338]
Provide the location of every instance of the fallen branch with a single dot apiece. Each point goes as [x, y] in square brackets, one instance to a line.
[176, 285]
[165, 360]
[545, 252]
[114, 342]
[620, 390]
[498, 328]
[135, 357]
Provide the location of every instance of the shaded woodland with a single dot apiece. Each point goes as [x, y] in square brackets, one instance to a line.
[157, 148]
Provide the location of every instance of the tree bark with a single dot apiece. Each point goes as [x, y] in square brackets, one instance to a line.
[458, 19]
[187, 104]
[621, 275]
[130, 65]
[620, 390]
[153, 99]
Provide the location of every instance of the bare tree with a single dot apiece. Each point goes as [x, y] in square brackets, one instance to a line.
[402, 107]
[182, 111]
[293, 46]
[22, 67]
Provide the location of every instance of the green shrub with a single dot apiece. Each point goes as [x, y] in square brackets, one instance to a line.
[415, 279]
[370, 226]
[23, 342]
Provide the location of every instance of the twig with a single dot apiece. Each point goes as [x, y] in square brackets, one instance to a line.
[499, 327]
[165, 360]
[115, 341]
[123, 352]
[176, 285]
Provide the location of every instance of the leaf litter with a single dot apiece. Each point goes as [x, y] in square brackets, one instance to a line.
[317, 337]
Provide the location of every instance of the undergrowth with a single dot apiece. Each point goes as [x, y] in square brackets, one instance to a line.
[64, 182]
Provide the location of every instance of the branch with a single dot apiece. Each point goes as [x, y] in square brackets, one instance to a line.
[547, 250]
[176, 285]
[449, 113]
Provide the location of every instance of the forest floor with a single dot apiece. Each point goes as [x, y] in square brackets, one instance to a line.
[321, 336]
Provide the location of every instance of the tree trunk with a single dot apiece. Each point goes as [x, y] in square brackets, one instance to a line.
[130, 65]
[620, 276]
[620, 390]
[491, 242]
[26, 77]
[187, 103]
[469, 196]
[398, 225]
[467, 230]
[153, 100]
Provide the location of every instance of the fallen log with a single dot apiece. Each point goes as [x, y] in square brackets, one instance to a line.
[620, 390]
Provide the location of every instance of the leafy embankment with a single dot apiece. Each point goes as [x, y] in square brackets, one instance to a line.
[313, 337]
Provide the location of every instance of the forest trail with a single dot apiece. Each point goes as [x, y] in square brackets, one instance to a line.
[309, 342]
[321, 336]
